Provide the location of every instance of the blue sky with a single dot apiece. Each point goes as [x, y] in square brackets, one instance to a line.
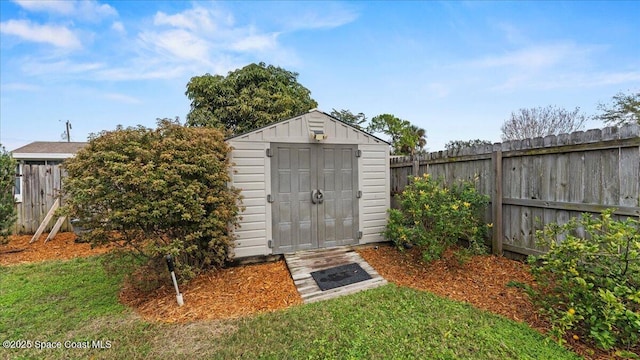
[456, 69]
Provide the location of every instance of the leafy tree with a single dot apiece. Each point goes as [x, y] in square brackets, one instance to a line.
[246, 99]
[625, 109]
[406, 139]
[460, 144]
[348, 117]
[159, 191]
[539, 122]
[7, 201]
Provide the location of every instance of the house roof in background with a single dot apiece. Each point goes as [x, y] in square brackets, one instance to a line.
[48, 150]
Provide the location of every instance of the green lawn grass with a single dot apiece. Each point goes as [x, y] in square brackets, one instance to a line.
[77, 301]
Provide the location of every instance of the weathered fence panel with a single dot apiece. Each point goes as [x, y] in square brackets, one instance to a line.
[542, 180]
[41, 186]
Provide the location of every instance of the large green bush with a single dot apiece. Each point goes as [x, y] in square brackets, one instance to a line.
[160, 191]
[434, 217]
[7, 201]
[591, 284]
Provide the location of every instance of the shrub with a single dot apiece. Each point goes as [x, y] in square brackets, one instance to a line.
[7, 201]
[591, 284]
[434, 217]
[159, 191]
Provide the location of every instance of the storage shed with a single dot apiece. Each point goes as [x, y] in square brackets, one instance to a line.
[309, 182]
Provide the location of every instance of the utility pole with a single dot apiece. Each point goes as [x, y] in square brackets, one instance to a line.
[68, 133]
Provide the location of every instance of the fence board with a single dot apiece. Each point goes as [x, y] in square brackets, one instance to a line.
[576, 184]
[610, 176]
[497, 195]
[41, 186]
[544, 180]
[513, 229]
[592, 189]
[629, 184]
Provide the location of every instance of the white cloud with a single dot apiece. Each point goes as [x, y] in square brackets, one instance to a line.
[118, 27]
[438, 90]
[141, 72]
[302, 15]
[20, 87]
[89, 10]
[584, 80]
[177, 44]
[260, 42]
[57, 68]
[558, 65]
[196, 19]
[122, 98]
[59, 36]
[534, 57]
[514, 81]
[327, 19]
[92, 10]
[567, 79]
[512, 33]
[616, 78]
[60, 7]
[204, 39]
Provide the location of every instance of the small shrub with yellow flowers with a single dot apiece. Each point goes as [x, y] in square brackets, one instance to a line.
[433, 217]
[590, 284]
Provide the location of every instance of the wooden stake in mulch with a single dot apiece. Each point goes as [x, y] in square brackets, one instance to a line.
[45, 222]
[56, 228]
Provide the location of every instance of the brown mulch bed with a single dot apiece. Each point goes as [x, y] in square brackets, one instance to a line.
[480, 282]
[62, 247]
[227, 293]
[245, 290]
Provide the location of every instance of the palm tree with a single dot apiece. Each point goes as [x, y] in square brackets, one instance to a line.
[413, 141]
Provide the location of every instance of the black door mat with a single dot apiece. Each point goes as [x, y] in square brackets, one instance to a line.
[339, 276]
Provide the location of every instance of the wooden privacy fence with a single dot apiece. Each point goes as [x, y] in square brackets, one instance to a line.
[41, 186]
[534, 182]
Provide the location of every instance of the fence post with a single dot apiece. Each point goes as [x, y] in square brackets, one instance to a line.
[496, 202]
[416, 165]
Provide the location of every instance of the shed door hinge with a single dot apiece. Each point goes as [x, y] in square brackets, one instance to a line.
[359, 235]
[270, 198]
[359, 194]
[358, 153]
[269, 152]
[270, 244]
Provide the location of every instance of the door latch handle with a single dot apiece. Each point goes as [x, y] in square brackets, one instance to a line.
[320, 196]
[314, 196]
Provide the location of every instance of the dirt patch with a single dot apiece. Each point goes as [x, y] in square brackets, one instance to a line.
[62, 247]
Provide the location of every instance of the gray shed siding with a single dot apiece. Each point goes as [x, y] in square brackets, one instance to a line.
[375, 185]
[252, 174]
[248, 175]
